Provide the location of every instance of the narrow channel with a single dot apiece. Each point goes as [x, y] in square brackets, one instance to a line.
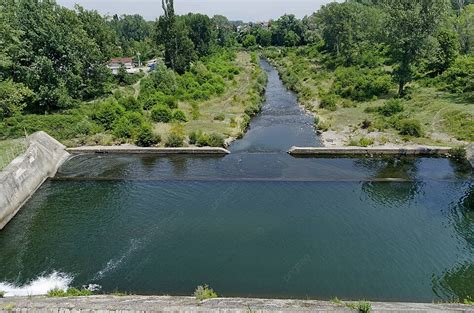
[256, 223]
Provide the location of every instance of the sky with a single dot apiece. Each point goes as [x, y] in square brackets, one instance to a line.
[246, 10]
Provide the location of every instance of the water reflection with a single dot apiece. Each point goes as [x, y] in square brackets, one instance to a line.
[457, 283]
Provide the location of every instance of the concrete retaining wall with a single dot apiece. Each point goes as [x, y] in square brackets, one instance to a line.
[128, 149]
[361, 151]
[20, 179]
[470, 154]
[132, 304]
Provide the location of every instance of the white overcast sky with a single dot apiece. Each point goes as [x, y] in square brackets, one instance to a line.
[246, 10]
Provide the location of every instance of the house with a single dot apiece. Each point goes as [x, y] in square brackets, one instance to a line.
[116, 63]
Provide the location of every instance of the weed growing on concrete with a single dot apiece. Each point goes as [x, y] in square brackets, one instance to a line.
[71, 292]
[204, 292]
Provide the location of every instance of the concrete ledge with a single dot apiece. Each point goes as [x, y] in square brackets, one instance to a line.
[25, 174]
[138, 150]
[369, 151]
[470, 153]
[190, 304]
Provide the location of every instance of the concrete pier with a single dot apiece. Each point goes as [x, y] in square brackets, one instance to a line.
[20, 179]
[131, 304]
[370, 151]
[129, 149]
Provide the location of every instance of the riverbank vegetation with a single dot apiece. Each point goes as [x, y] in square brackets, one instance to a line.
[371, 80]
[56, 80]
[373, 72]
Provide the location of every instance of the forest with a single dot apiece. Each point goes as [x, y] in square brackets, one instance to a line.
[372, 65]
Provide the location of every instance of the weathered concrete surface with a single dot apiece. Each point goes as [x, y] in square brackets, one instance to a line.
[358, 151]
[190, 304]
[470, 153]
[129, 149]
[20, 179]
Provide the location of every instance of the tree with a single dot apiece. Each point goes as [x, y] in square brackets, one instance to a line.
[446, 51]
[200, 32]
[13, 98]
[249, 41]
[226, 32]
[264, 37]
[465, 29]
[173, 34]
[409, 24]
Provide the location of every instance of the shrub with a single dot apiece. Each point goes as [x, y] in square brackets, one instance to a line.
[174, 140]
[86, 127]
[459, 78]
[146, 137]
[329, 102]
[131, 104]
[71, 292]
[410, 128]
[161, 114]
[108, 112]
[219, 117]
[366, 124]
[160, 98]
[193, 137]
[391, 107]
[2, 294]
[458, 153]
[204, 292]
[361, 83]
[135, 118]
[123, 128]
[179, 116]
[216, 140]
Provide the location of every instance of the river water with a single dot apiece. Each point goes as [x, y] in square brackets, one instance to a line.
[255, 223]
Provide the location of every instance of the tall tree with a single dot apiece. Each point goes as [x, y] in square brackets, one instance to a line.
[173, 34]
[409, 25]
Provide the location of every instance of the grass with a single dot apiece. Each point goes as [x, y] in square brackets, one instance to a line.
[222, 114]
[204, 292]
[70, 292]
[445, 118]
[10, 149]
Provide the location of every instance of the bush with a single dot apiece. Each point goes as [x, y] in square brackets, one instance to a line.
[410, 128]
[366, 124]
[160, 98]
[361, 83]
[179, 116]
[459, 78]
[391, 107]
[2, 294]
[146, 137]
[204, 292]
[362, 142]
[329, 102]
[161, 114]
[458, 153]
[216, 140]
[219, 117]
[71, 292]
[130, 104]
[123, 128]
[108, 112]
[194, 136]
[174, 140]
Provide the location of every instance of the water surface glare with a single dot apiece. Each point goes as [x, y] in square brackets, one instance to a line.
[255, 223]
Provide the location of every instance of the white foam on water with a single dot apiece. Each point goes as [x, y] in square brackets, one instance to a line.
[38, 286]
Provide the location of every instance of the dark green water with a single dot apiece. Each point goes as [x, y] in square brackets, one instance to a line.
[255, 223]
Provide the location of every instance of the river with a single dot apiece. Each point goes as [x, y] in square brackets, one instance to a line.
[257, 222]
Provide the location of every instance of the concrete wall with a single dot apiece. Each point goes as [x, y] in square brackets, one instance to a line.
[20, 179]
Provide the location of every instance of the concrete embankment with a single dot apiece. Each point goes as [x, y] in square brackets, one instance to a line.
[189, 304]
[20, 179]
[128, 149]
[470, 154]
[369, 151]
